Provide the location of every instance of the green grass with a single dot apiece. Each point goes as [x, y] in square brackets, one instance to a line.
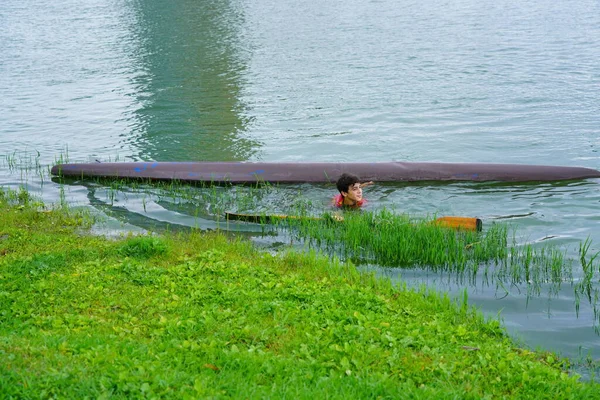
[203, 316]
[389, 239]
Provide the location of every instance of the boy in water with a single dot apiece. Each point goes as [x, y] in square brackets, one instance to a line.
[350, 190]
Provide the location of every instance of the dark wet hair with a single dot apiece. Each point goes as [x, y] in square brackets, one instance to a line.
[345, 181]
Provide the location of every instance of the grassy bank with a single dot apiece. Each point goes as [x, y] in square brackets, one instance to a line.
[202, 316]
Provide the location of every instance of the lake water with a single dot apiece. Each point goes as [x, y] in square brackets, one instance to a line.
[381, 80]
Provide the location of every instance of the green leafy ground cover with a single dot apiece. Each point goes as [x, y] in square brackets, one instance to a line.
[202, 316]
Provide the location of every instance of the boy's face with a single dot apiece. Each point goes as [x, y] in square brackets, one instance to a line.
[354, 193]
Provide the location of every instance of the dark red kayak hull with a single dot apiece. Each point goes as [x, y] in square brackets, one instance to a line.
[282, 172]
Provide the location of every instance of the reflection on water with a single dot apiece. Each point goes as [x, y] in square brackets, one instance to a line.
[189, 91]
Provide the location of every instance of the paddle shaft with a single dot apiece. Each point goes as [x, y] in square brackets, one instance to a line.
[465, 223]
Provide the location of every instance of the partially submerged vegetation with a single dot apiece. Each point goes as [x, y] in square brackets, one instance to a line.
[198, 315]
[388, 239]
[381, 237]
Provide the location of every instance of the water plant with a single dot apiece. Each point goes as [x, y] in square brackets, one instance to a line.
[396, 240]
[385, 238]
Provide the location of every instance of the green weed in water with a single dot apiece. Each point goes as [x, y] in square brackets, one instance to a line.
[389, 239]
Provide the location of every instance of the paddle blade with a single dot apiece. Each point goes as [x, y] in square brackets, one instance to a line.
[466, 223]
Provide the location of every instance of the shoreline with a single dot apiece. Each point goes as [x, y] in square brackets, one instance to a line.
[198, 314]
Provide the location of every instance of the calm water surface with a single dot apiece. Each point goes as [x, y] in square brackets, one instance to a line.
[462, 81]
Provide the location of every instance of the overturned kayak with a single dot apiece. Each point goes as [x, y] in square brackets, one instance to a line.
[283, 172]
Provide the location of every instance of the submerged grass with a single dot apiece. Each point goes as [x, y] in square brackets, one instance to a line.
[395, 240]
[207, 199]
[388, 239]
[200, 316]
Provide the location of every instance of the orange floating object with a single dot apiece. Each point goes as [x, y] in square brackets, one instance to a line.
[466, 223]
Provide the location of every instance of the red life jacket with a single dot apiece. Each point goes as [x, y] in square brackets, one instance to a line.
[338, 201]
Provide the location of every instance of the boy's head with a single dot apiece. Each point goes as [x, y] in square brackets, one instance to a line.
[345, 181]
